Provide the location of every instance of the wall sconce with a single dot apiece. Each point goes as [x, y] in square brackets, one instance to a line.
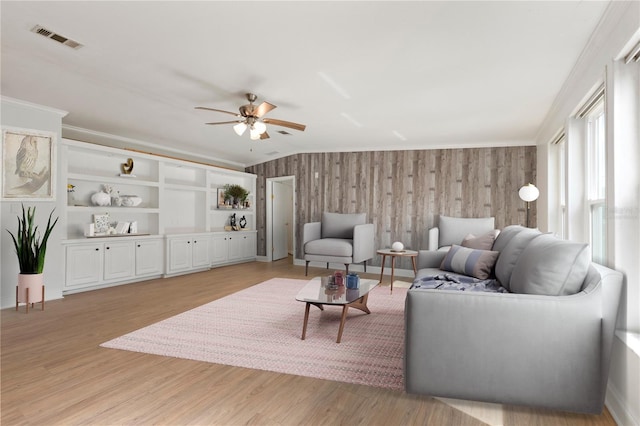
[529, 193]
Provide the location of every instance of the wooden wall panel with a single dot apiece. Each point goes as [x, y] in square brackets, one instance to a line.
[403, 192]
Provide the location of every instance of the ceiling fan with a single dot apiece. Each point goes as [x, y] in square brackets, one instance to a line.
[251, 117]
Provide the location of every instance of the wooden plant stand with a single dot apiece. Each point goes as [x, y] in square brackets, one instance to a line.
[33, 303]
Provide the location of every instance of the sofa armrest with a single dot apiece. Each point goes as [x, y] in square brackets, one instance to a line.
[363, 242]
[310, 231]
[434, 237]
[430, 259]
[508, 348]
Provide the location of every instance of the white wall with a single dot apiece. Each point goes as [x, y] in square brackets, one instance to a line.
[18, 114]
[600, 62]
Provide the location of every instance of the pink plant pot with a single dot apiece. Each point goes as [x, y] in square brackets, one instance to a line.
[34, 283]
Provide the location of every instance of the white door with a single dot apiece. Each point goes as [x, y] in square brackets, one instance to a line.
[281, 204]
[179, 254]
[219, 248]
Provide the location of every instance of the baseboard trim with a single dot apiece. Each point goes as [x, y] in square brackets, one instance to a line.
[616, 406]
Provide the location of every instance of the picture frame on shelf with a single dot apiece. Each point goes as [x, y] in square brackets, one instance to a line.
[221, 199]
[28, 165]
[101, 223]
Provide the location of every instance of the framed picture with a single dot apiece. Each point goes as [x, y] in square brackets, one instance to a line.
[28, 164]
[220, 197]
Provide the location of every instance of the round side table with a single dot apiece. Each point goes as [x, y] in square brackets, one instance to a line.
[393, 254]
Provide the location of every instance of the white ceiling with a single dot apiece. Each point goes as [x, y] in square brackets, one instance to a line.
[360, 75]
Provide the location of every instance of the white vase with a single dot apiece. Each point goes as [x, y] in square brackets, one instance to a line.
[101, 199]
[33, 282]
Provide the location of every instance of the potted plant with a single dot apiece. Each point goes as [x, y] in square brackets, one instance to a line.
[236, 193]
[31, 248]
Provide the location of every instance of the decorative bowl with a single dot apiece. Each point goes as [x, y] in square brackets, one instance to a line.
[130, 200]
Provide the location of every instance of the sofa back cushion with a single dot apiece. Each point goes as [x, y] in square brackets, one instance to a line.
[510, 253]
[474, 263]
[551, 267]
[506, 235]
[340, 225]
[452, 230]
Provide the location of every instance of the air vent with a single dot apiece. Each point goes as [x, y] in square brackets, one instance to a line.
[283, 132]
[57, 37]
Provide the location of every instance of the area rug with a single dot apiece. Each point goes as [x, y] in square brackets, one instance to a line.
[260, 328]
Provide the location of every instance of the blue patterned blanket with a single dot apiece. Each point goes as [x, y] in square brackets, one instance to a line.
[446, 281]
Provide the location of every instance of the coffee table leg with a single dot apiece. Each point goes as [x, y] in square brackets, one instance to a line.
[413, 261]
[306, 320]
[345, 308]
[382, 269]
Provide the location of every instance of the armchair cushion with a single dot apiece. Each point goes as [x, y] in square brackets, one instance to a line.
[340, 225]
[330, 247]
[475, 263]
[551, 267]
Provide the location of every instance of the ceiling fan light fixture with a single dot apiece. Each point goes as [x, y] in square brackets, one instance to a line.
[255, 134]
[260, 127]
[240, 128]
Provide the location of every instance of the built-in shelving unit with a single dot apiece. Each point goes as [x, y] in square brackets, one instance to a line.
[179, 200]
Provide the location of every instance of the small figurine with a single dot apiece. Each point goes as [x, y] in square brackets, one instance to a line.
[243, 222]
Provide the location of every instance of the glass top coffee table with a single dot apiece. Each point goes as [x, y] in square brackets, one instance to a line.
[314, 293]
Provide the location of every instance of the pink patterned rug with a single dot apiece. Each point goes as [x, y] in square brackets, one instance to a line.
[260, 328]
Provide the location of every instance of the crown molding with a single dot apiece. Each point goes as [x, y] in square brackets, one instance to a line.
[23, 103]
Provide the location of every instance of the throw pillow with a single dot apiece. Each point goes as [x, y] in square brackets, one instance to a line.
[481, 242]
[475, 263]
[551, 267]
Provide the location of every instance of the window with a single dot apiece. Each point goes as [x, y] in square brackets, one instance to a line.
[562, 181]
[596, 180]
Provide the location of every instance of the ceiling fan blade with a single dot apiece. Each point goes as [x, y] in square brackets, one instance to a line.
[263, 108]
[283, 123]
[220, 110]
[226, 122]
[265, 135]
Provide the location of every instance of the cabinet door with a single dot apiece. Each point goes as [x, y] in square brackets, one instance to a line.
[219, 249]
[235, 246]
[200, 251]
[179, 254]
[148, 257]
[249, 247]
[119, 260]
[83, 265]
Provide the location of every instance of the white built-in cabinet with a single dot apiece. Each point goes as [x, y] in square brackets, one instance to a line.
[100, 262]
[232, 247]
[187, 253]
[180, 227]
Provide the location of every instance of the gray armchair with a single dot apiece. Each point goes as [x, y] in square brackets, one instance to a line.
[338, 238]
[452, 230]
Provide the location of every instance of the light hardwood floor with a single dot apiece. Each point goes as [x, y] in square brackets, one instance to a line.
[54, 372]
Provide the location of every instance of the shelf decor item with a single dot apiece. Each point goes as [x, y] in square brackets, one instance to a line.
[101, 198]
[130, 200]
[101, 223]
[31, 248]
[236, 194]
[127, 168]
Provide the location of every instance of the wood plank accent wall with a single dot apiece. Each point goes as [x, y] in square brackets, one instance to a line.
[403, 192]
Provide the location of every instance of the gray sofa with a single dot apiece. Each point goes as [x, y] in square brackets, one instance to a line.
[546, 343]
